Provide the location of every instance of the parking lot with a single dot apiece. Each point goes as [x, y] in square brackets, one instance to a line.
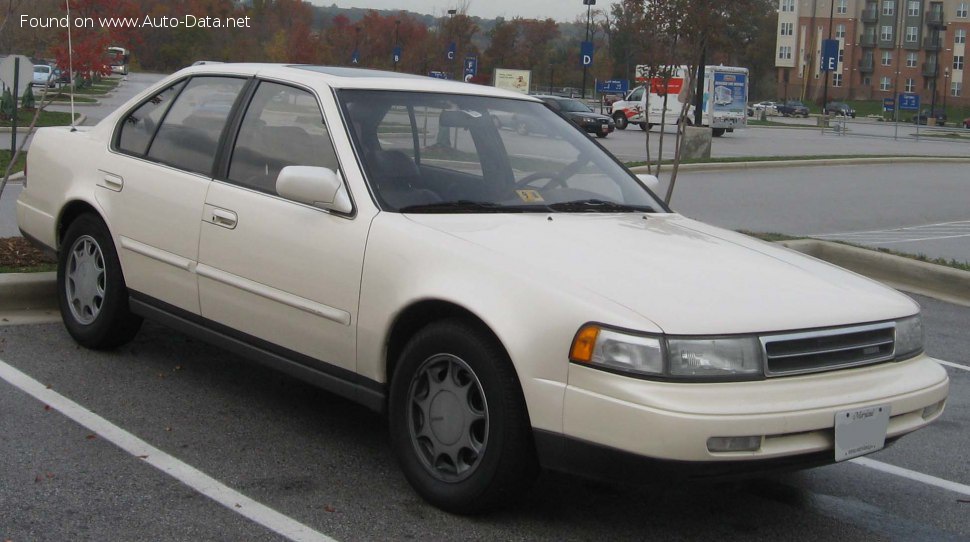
[168, 438]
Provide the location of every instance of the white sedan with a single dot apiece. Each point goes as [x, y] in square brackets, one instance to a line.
[510, 302]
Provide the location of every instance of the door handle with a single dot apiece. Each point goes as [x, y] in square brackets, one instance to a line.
[112, 182]
[224, 218]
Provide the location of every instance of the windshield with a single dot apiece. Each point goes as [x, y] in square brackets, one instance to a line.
[42, 69]
[426, 152]
[573, 106]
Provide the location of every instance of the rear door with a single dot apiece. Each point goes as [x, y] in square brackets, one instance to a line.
[154, 182]
[283, 275]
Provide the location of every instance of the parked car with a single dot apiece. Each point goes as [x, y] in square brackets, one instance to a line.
[581, 115]
[507, 302]
[770, 108]
[966, 122]
[44, 76]
[840, 109]
[924, 116]
[793, 108]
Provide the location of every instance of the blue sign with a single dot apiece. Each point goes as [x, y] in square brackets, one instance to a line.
[452, 51]
[613, 86]
[909, 102]
[397, 53]
[471, 66]
[586, 53]
[888, 104]
[355, 57]
[830, 55]
[438, 75]
[730, 92]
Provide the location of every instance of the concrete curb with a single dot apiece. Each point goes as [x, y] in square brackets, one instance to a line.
[23, 129]
[15, 177]
[726, 166]
[932, 280]
[28, 291]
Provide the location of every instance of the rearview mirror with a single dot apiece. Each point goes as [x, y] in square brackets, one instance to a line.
[652, 182]
[317, 186]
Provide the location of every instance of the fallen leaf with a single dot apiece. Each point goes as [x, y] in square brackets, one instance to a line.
[143, 457]
[92, 436]
[47, 407]
[37, 479]
[329, 508]
[238, 505]
[963, 501]
[168, 428]
[50, 475]
[49, 386]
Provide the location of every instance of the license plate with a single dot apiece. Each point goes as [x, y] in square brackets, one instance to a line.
[860, 431]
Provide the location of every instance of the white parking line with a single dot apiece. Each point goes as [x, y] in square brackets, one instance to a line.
[913, 475]
[187, 474]
[954, 365]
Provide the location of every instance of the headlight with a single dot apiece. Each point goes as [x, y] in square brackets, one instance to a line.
[701, 358]
[909, 337]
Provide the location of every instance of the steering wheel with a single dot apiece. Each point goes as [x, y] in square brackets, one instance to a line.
[554, 179]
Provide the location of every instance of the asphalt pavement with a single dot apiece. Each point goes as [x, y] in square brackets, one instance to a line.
[325, 463]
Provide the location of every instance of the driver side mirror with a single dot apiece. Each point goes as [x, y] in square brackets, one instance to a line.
[652, 182]
[317, 186]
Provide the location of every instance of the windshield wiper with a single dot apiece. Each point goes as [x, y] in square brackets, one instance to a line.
[599, 206]
[468, 206]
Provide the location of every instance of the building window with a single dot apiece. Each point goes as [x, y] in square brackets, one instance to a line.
[840, 31]
[912, 8]
[886, 34]
[884, 83]
[787, 29]
[960, 36]
[887, 58]
[912, 59]
[958, 62]
[888, 7]
[842, 7]
[788, 5]
[910, 85]
[841, 56]
[784, 52]
[867, 81]
[911, 34]
[962, 10]
[956, 89]
[836, 80]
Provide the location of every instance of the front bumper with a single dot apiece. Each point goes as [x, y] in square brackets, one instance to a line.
[794, 415]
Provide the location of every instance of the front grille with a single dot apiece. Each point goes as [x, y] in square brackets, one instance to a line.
[829, 349]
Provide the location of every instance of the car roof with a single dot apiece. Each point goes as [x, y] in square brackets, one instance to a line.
[353, 78]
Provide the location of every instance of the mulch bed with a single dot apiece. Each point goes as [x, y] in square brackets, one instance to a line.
[17, 252]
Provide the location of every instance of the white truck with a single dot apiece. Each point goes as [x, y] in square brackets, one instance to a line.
[724, 101]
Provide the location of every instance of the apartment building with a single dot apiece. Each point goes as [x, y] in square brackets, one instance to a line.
[885, 47]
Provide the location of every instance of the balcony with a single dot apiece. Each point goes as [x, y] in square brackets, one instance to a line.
[931, 69]
[935, 19]
[867, 65]
[868, 40]
[870, 15]
[933, 43]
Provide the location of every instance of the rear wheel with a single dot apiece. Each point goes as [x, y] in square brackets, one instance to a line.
[717, 132]
[644, 126]
[92, 294]
[458, 421]
[620, 120]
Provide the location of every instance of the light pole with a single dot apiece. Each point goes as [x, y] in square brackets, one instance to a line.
[946, 85]
[589, 7]
[825, 90]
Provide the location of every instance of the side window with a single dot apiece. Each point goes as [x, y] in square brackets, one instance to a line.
[189, 135]
[636, 95]
[394, 130]
[283, 127]
[137, 129]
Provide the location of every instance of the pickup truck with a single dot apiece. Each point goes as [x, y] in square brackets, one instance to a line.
[793, 108]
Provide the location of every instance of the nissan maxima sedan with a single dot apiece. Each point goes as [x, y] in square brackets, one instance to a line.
[509, 302]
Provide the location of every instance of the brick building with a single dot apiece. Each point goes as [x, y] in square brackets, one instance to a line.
[886, 47]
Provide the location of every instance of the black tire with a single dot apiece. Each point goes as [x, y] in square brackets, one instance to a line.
[505, 465]
[601, 135]
[111, 323]
[717, 132]
[620, 120]
[644, 126]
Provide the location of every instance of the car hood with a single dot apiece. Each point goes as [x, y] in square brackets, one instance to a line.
[684, 276]
[581, 115]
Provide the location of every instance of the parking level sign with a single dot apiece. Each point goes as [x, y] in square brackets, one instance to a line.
[888, 104]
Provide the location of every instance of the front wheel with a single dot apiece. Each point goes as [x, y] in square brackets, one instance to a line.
[458, 420]
[644, 126]
[620, 120]
[717, 132]
[91, 289]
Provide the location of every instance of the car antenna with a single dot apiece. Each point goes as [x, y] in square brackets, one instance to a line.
[70, 60]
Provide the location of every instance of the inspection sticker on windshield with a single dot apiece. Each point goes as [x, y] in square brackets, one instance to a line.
[860, 431]
[529, 196]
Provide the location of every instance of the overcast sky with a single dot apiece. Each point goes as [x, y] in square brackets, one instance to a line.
[561, 10]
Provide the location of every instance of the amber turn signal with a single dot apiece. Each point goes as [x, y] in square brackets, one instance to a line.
[583, 344]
